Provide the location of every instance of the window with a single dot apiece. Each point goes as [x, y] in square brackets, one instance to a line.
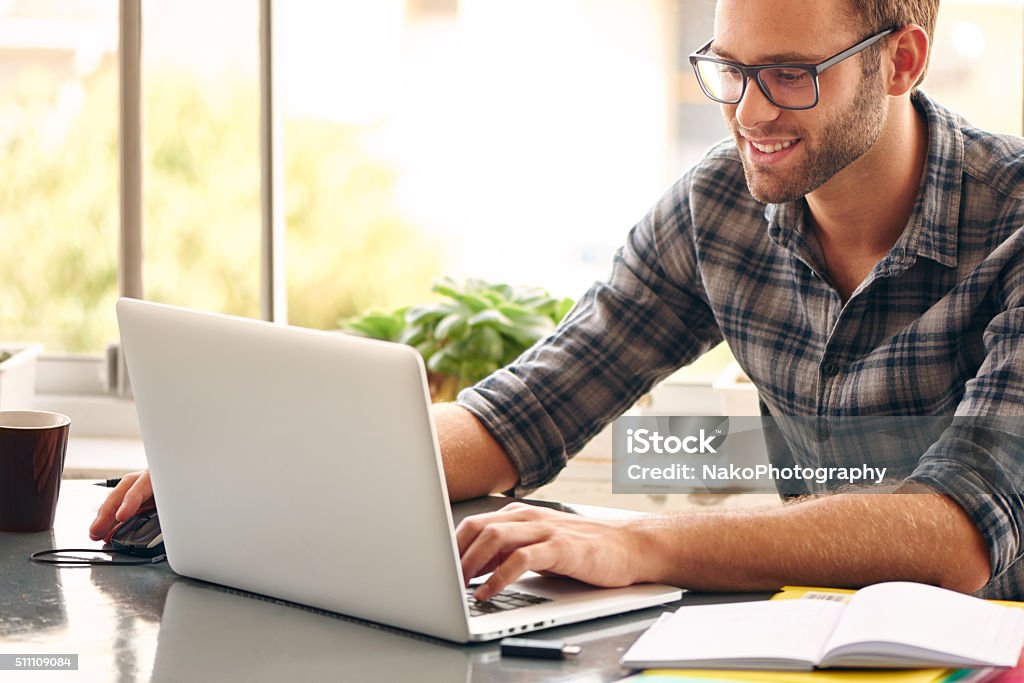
[201, 152]
[58, 201]
[513, 141]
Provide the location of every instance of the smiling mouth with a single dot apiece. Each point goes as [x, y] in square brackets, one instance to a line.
[772, 148]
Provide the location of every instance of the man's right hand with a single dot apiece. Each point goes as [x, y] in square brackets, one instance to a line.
[133, 493]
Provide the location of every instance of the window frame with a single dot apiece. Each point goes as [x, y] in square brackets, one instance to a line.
[96, 385]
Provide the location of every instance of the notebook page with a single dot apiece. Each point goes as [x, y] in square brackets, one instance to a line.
[912, 619]
[788, 634]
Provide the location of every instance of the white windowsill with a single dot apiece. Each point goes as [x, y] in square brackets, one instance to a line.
[103, 458]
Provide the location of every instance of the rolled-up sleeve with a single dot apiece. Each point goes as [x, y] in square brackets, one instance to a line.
[991, 503]
[979, 460]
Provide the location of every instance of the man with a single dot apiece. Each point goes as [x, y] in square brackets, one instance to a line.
[858, 247]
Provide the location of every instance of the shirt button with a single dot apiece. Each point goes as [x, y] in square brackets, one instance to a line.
[830, 369]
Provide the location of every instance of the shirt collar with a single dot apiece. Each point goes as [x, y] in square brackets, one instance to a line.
[933, 229]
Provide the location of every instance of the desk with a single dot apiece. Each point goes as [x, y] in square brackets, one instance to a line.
[147, 623]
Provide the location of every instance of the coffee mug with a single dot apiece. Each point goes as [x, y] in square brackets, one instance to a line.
[32, 447]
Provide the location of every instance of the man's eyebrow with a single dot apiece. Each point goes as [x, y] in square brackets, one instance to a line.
[774, 58]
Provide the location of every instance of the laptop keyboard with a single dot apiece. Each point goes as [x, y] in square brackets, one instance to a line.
[504, 600]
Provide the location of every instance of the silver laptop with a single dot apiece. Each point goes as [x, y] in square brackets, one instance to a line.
[303, 465]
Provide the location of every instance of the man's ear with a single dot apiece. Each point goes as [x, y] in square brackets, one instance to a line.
[907, 54]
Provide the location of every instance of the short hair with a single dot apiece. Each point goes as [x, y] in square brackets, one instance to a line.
[877, 15]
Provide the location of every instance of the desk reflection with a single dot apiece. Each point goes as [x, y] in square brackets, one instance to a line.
[207, 634]
[147, 623]
[27, 606]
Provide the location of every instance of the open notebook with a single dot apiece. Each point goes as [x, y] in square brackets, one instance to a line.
[888, 625]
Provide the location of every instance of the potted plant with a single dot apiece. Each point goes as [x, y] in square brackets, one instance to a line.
[18, 375]
[475, 329]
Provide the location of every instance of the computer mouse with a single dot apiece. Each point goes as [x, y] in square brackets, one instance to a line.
[139, 536]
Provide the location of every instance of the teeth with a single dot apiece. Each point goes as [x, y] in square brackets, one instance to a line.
[772, 149]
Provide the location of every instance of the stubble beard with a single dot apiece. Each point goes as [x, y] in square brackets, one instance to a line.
[845, 137]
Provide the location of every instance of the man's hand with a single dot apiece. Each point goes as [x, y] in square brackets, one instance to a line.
[133, 493]
[520, 538]
[843, 540]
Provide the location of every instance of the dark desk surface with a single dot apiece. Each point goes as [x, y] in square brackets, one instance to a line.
[148, 623]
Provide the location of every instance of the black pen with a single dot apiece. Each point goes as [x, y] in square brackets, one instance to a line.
[109, 483]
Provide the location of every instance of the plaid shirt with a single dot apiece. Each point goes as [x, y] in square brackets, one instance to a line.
[934, 330]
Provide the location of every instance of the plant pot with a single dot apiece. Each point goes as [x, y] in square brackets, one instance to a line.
[443, 388]
[18, 376]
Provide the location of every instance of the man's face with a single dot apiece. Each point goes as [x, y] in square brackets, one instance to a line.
[787, 154]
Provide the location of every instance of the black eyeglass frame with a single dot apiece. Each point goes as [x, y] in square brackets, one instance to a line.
[754, 71]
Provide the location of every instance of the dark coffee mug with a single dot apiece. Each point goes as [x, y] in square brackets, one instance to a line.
[32, 447]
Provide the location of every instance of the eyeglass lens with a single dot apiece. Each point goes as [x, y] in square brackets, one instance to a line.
[785, 87]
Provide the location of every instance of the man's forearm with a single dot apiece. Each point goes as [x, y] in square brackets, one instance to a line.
[840, 540]
[474, 463]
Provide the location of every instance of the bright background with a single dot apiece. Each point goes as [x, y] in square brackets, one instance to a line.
[512, 140]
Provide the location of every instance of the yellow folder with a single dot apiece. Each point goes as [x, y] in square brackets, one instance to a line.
[824, 676]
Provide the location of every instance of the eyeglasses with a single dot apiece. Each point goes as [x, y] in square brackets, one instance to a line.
[787, 86]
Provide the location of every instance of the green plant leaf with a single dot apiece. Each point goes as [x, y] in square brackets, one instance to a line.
[536, 299]
[442, 362]
[446, 287]
[562, 309]
[485, 343]
[376, 325]
[514, 311]
[517, 337]
[427, 349]
[511, 353]
[473, 302]
[506, 292]
[452, 327]
[489, 317]
[426, 315]
[493, 298]
[475, 285]
[472, 371]
[413, 336]
[531, 323]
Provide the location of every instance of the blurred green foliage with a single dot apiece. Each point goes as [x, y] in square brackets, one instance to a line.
[348, 247]
[58, 214]
[476, 328]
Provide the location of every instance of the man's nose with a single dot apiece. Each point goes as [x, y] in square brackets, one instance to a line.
[755, 108]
